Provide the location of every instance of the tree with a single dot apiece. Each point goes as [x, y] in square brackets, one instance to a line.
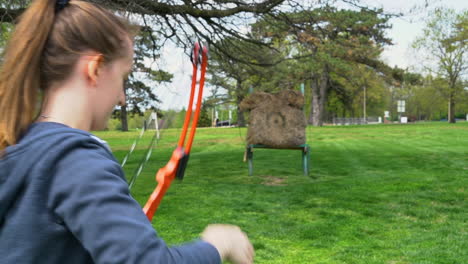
[445, 46]
[139, 88]
[237, 78]
[343, 36]
[424, 100]
[359, 89]
[180, 21]
[204, 120]
[329, 40]
[5, 30]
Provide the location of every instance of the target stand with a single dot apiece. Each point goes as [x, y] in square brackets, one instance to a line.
[305, 155]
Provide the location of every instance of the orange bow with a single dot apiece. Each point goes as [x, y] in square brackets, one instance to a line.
[178, 162]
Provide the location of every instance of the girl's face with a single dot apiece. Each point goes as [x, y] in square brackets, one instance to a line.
[110, 89]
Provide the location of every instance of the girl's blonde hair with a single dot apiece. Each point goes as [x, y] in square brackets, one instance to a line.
[44, 48]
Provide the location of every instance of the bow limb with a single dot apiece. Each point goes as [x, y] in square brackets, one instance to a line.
[199, 100]
[164, 178]
[185, 158]
[188, 114]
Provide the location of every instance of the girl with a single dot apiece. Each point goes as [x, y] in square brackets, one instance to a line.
[63, 196]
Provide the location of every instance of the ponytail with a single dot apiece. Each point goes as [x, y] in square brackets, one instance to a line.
[20, 71]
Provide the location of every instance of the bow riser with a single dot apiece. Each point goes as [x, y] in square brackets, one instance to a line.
[164, 178]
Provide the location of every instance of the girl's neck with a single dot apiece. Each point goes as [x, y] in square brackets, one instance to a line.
[66, 105]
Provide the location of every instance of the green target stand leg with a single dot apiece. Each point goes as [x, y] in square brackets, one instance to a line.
[250, 159]
[305, 156]
[305, 159]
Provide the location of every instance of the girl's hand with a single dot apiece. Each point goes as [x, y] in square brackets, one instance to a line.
[232, 244]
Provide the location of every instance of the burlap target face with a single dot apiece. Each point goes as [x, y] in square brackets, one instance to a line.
[276, 120]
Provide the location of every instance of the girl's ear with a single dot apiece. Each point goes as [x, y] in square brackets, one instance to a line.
[92, 70]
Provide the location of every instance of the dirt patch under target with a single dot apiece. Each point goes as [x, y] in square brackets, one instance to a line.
[273, 181]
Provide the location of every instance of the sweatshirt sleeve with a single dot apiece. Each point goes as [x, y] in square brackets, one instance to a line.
[90, 195]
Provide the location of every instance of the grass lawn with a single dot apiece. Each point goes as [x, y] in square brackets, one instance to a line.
[376, 194]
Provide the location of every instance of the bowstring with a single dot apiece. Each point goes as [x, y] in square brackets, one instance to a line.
[148, 151]
[135, 143]
[153, 143]
[156, 138]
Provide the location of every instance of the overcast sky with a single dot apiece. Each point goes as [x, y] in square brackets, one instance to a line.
[405, 30]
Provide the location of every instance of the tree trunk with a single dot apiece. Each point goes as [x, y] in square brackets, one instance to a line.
[240, 117]
[314, 99]
[319, 86]
[123, 112]
[364, 110]
[451, 106]
[392, 104]
[123, 118]
[239, 98]
[323, 95]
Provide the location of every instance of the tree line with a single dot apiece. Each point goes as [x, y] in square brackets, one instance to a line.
[333, 48]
